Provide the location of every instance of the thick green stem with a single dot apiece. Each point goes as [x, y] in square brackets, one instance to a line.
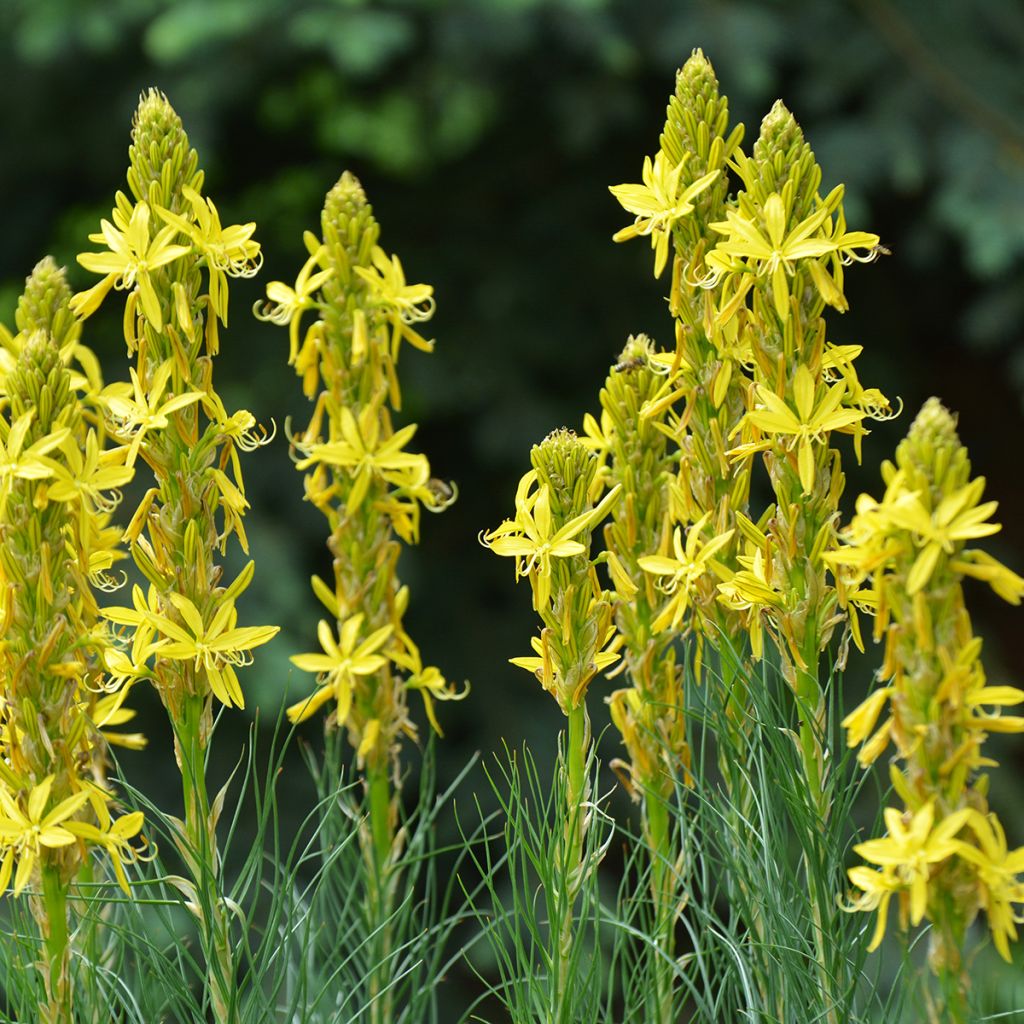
[203, 862]
[811, 708]
[569, 868]
[663, 892]
[58, 1009]
[380, 898]
[945, 956]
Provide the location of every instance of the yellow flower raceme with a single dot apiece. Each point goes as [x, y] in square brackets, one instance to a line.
[658, 204]
[911, 545]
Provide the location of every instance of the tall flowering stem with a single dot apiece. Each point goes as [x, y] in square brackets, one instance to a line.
[753, 374]
[371, 488]
[166, 249]
[549, 536]
[56, 488]
[782, 251]
[648, 712]
[904, 558]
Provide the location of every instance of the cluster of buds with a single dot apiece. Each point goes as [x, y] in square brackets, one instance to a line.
[904, 558]
[360, 475]
[59, 688]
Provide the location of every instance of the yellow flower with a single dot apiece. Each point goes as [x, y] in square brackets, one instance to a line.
[810, 423]
[877, 888]
[228, 251]
[286, 305]
[128, 263]
[408, 303]
[958, 517]
[112, 836]
[658, 204]
[773, 252]
[217, 648]
[431, 684]
[683, 571]
[997, 870]
[31, 463]
[24, 832]
[338, 666]
[133, 413]
[912, 847]
[531, 539]
[365, 454]
[89, 475]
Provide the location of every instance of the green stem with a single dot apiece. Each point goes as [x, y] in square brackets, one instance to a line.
[58, 1009]
[946, 958]
[663, 891]
[380, 897]
[203, 862]
[569, 868]
[811, 708]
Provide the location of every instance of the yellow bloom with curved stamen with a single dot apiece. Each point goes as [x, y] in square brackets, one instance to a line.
[407, 303]
[228, 251]
[772, 251]
[131, 257]
[658, 204]
[133, 411]
[531, 540]
[285, 305]
[810, 422]
[915, 844]
[429, 681]
[679, 575]
[26, 832]
[341, 661]
[365, 453]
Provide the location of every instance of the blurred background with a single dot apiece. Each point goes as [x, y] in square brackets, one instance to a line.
[486, 133]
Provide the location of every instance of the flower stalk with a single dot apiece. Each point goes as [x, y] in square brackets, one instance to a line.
[371, 488]
[167, 250]
[53, 795]
[549, 537]
[944, 856]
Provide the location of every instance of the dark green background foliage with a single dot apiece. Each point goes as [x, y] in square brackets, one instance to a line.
[486, 133]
